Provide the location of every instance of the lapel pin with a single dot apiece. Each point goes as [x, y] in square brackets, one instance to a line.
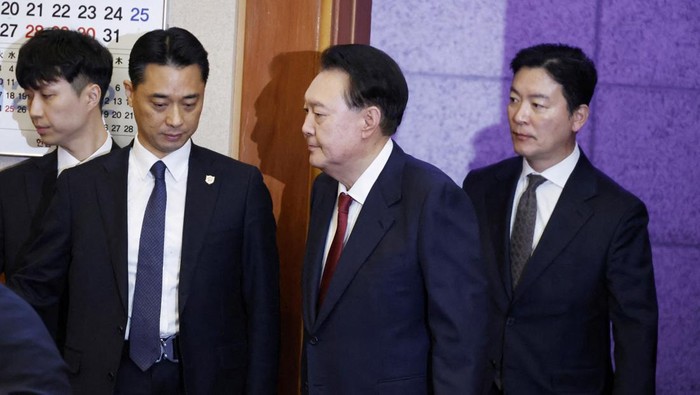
[209, 179]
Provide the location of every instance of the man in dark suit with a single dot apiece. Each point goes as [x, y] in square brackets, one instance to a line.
[65, 75]
[29, 360]
[568, 248]
[404, 307]
[163, 236]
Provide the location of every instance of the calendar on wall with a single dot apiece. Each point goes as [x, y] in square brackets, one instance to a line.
[115, 23]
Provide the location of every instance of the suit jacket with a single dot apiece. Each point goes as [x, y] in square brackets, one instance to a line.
[228, 287]
[21, 196]
[406, 310]
[29, 360]
[26, 192]
[592, 267]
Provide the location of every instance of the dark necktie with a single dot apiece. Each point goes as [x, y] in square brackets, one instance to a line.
[524, 228]
[144, 335]
[344, 201]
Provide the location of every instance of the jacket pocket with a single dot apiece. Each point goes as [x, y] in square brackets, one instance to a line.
[408, 385]
[578, 381]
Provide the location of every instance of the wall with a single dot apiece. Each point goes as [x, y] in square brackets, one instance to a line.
[643, 130]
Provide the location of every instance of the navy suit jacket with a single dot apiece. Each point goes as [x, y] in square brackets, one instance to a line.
[228, 286]
[406, 310]
[592, 267]
[29, 360]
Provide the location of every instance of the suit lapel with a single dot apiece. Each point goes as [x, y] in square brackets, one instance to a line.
[323, 203]
[374, 221]
[41, 179]
[570, 214]
[500, 205]
[111, 190]
[199, 207]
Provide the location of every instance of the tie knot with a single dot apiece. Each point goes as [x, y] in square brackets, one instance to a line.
[344, 201]
[534, 181]
[158, 170]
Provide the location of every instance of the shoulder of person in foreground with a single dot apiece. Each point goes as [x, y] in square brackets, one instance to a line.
[29, 359]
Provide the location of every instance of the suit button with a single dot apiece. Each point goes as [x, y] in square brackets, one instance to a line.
[121, 329]
[313, 341]
[510, 321]
[493, 363]
[111, 376]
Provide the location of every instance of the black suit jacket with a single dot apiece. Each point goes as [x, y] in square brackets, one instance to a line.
[228, 285]
[29, 360]
[592, 267]
[25, 192]
[22, 189]
[406, 310]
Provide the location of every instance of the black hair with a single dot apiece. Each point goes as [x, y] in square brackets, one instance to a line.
[172, 47]
[54, 54]
[568, 66]
[375, 79]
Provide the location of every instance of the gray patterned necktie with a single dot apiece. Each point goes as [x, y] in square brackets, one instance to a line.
[524, 228]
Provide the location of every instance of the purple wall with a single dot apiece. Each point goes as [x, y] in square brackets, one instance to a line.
[643, 131]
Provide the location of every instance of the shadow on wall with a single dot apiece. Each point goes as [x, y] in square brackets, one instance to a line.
[284, 162]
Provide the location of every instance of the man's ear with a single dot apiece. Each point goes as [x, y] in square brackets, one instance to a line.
[579, 117]
[371, 120]
[93, 94]
[129, 90]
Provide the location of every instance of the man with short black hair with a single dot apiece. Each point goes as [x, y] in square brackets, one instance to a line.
[65, 75]
[568, 248]
[394, 288]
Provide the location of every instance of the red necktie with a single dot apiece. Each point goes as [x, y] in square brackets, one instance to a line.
[344, 201]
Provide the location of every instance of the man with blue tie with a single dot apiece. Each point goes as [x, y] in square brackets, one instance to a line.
[394, 288]
[568, 249]
[167, 249]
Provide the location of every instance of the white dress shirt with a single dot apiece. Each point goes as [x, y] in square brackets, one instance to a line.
[140, 186]
[65, 160]
[547, 193]
[358, 192]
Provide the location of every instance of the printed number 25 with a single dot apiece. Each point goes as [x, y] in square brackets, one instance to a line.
[139, 14]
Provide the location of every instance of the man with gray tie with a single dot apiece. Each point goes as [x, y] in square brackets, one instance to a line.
[568, 248]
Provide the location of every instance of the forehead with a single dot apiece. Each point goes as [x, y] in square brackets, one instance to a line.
[171, 79]
[328, 85]
[534, 80]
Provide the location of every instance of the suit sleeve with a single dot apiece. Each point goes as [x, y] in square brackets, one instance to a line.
[457, 291]
[633, 305]
[261, 289]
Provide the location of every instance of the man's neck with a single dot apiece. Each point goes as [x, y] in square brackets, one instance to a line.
[91, 138]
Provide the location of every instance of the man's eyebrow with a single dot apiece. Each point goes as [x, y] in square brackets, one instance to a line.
[532, 96]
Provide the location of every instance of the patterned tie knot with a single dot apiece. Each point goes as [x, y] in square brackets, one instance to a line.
[344, 201]
[158, 170]
[534, 180]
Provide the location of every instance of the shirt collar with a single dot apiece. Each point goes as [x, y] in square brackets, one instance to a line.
[176, 161]
[360, 189]
[65, 160]
[559, 173]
